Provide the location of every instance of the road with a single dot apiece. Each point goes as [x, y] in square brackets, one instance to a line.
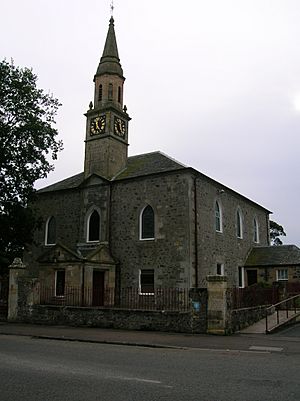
[51, 370]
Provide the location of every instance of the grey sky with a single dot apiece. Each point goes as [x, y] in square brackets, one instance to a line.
[214, 84]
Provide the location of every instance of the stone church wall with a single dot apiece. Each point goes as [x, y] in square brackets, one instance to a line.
[65, 207]
[225, 247]
[169, 253]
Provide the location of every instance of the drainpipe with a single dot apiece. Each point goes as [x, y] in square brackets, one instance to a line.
[196, 232]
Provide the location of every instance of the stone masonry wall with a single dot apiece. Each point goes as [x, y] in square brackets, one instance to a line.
[225, 247]
[184, 322]
[169, 254]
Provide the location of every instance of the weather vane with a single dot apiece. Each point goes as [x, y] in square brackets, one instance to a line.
[112, 7]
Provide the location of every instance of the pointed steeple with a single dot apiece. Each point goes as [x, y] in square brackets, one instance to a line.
[110, 62]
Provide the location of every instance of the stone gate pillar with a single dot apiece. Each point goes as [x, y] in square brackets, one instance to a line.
[216, 304]
[16, 270]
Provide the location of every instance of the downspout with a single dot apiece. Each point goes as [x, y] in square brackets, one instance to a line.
[196, 232]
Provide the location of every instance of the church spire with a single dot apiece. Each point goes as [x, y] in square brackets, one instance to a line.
[107, 120]
[110, 62]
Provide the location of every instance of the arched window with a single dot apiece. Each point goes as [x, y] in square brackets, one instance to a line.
[93, 227]
[119, 94]
[110, 91]
[218, 217]
[147, 223]
[255, 231]
[50, 231]
[239, 224]
[100, 93]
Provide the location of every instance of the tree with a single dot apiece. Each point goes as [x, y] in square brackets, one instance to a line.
[27, 143]
[276, 231]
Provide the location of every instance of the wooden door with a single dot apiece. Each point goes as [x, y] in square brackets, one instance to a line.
[98, 288]
[251, 277]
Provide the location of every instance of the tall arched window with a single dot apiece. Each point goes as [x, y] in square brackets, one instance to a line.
[93, 227]
[110, 91]
[255, 231]
[100, 92]
[147, 227]
[50, 231]
[239, 224]
[218, 217]
[119, 94]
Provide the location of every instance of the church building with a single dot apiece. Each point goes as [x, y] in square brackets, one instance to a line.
[143, 222]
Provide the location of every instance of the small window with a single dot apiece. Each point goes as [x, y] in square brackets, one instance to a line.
[100, 92]
[218, 217]
[93, 227]
[60, 283]
[119, 94]
[282, 274]
[255, 231]
[239, 224]
[220, 269]
[146, 284]
[147, 223]
[50, 232]
[110, 91]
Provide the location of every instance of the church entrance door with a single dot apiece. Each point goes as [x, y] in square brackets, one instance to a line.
[98, 288]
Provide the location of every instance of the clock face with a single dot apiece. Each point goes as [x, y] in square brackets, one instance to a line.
[119, 127]
[97, 125]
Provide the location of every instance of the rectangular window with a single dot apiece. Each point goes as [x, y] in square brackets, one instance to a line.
[60, 283]
[220, 269]
[146, 284]
[282, 275]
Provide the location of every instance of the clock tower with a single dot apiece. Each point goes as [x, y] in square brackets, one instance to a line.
[106, 139]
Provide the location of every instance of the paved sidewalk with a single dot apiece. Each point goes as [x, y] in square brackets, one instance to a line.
[149, 338]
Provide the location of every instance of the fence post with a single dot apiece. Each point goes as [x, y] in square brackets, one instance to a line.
[16, 270]
[217, 305]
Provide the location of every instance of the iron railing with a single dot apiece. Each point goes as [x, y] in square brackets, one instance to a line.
[169, 299]
[253, 295]
[282, 312]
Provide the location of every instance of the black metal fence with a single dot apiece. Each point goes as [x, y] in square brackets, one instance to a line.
[253, 295]
[169, 299]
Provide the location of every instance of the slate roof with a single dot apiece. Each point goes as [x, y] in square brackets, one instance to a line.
[283, 255]
[68, 183]
[137, 166]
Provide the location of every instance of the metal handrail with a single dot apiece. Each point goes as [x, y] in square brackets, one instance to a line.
[277, 308]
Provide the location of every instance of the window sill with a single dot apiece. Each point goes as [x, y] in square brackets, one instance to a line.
[146, 293]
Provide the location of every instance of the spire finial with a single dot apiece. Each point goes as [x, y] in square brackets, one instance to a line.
[112, 8]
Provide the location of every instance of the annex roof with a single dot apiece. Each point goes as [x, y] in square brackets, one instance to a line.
[282, 255]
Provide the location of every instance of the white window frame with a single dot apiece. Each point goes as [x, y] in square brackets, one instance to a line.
[222, 269]
[220, 216]
[141, 225]
[255, 231]
[239, 223]
[140, 284]
[47, 231]
[242, 270]
[88, 225]
[280, 273]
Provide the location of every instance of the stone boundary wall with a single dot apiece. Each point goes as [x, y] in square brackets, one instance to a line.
[29, 311]
[241, 318]
[181, 322]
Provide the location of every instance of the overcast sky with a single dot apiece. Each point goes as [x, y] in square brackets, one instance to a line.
[213, 83]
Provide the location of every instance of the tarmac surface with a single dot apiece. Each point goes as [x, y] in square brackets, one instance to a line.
[239, 342]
